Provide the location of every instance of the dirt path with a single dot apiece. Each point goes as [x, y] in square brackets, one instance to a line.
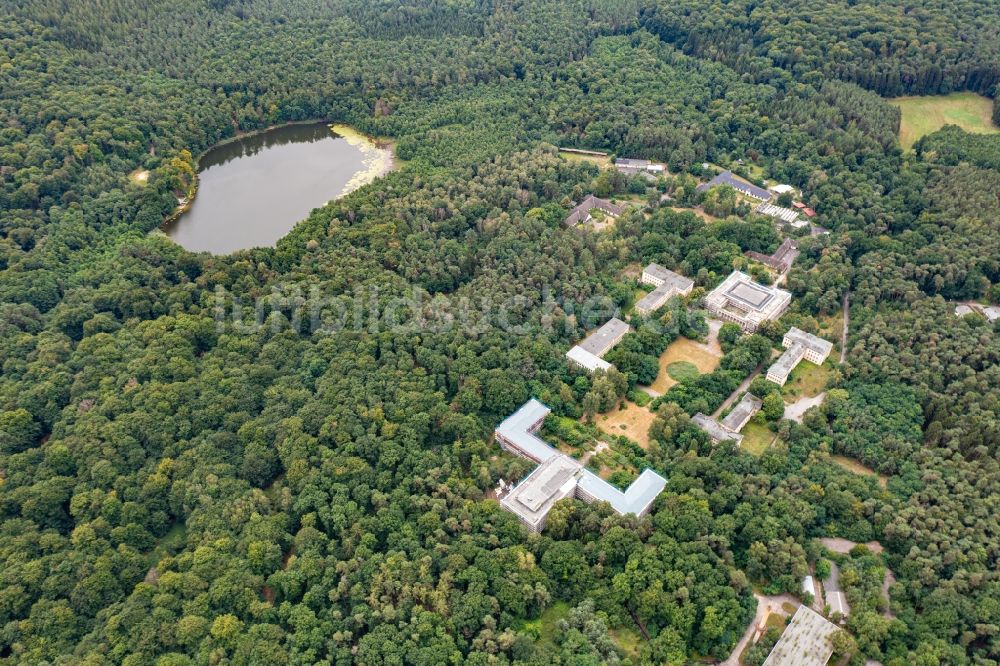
[844, 546]
[765, 606]
[847, 325]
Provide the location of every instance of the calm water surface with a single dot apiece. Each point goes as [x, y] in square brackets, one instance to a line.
[252, 191]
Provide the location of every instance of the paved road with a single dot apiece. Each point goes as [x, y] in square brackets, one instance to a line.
[796, 410]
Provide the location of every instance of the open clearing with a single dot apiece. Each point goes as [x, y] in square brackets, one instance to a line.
[701, 356]
[139, 176]
[602, 161]
[756, 438]
[852, 465]
[806, 381]
[924, 115]
[633, 422]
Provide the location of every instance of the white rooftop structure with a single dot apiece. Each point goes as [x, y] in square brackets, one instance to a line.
[806, 641]
[808, 587]
[558, 476]
[517, 432]
[741, 300]
[636, 499]
[962, 310]
[992, 313]
[586, 360]
[781, 188]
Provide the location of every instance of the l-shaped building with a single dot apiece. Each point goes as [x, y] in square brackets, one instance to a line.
[558, 476]
[798, 345]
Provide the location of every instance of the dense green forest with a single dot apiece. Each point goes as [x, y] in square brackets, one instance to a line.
[178, 486]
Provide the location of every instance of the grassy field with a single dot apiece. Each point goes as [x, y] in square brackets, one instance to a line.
[601, 161]
[633, 422]
[807, 380]
[545, 625]
[756, 438]
[924, 115]
[684, 350]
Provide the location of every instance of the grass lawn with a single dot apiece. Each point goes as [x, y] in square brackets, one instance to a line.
[601, 161]
[807, 380]
[756, 438]
[545, 625]
[628, 640]
[633, 422]
[688, 351]
[924, 115]
[855, 467]
[775, 620]
[681, 370]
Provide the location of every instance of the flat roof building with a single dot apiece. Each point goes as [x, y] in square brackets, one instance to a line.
[668, 284]
[581, 213]
[715, 430]
[742, 413]
[741, 300]
[553, 480]
[586, 360]
[517, 432]
[727, 178]
[992, 313]
[603, 339]
[558, 476]
[798, 345]
[806, 641]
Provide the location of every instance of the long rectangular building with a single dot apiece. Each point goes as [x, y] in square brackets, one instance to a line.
[588, 354]
[715, 430]
[741, 300]
[743, 187]
[742, 413]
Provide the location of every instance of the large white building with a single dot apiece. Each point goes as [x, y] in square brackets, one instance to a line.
[558, 476]
[798, 345]
[668, 284]
[741, 300]
[806, 641]
[588, 354]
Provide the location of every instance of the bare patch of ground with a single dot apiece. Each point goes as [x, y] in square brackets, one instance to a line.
[794, 411]
[852, 465]
[704, 356]
[139, 176]
[633, 422]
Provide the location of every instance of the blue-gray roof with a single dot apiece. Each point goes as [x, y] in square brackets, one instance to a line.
[634, 500]
[517, 429]
[727, 178]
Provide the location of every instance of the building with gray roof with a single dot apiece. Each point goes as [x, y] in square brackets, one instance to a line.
[553, 480]
[806, 641]
[742, 413]
[607, 336]
[741, 300]
[743, 187]
[581, 213]
[558, 476]
[715, 430]
[668, 284]
[798, 345]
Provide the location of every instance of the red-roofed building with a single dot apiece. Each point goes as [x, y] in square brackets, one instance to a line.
[809, 212]
[799, 205]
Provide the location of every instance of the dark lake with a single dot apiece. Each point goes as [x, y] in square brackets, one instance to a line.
[253, 190]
